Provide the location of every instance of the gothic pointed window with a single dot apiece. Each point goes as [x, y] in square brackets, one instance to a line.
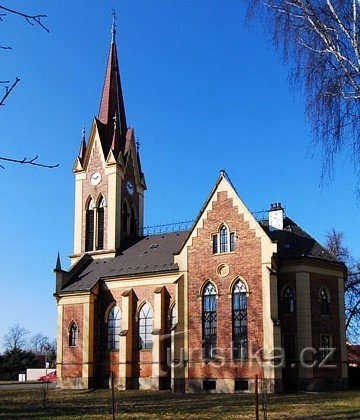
[114, 328]
[100, 223]
[132, 223]
[73, 335]
[324, 301]
[89, 229]
[209, 320]
[146, 322]
[172, 317]
[223, 240]
[239, 318]
[288, 300]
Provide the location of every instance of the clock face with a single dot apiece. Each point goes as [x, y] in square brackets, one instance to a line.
[130, 188]
[95, 178]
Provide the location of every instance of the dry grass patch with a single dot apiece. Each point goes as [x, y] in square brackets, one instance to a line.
[61, 404]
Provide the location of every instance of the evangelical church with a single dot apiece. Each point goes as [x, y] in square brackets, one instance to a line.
[203, 310]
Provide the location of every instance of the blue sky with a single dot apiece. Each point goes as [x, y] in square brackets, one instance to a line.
[204, 92]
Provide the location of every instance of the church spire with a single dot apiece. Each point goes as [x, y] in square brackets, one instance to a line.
[112, 102]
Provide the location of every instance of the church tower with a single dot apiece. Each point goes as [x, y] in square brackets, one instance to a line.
[109, 183]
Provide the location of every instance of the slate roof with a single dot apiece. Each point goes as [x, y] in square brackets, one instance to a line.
[155, 254]
[149, 254]
[293, 242]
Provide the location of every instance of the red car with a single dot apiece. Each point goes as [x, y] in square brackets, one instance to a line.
[50, 377]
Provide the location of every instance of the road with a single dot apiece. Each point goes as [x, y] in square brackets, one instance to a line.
[23, 385]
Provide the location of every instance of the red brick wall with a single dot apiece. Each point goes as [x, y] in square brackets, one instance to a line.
[142, 359]
[202, 264]
[95, 165]
[72, 356]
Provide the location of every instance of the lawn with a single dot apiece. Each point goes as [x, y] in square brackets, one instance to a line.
[61, 404]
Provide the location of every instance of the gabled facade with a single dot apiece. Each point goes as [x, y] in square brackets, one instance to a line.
[207, 309]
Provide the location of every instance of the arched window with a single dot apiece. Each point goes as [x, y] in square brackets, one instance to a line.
[209, 320]
[114, 328]
[324, 301]
[132, 222]
[100, 223]
[172, 317]
[89, 230]
[73, 335]
[125, 218]
[239, 315]
[288, 299]
[146, 322]
[223, 241]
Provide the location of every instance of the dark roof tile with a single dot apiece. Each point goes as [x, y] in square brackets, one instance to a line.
[136, 258]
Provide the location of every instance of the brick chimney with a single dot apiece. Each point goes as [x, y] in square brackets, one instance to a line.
[276, 217]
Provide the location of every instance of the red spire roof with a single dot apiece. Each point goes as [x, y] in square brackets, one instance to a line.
[112, 102]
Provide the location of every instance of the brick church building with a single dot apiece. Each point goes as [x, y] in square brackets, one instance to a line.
[205, 309]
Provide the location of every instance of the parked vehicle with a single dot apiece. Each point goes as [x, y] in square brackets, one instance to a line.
[50, 377]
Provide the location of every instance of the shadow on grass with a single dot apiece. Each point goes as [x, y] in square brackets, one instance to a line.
[163, 404]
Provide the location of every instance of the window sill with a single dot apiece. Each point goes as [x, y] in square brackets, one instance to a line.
[224, 253]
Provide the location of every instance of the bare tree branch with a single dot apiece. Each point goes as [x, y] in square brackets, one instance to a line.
[27, 161]
[321, 39]
[335, 244]
[31, 19]
[8, 91]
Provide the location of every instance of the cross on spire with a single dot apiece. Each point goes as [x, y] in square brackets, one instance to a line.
[115, 121]
[83, 132]
[113, 27]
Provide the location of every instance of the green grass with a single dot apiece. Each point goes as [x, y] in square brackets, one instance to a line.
[61, 404]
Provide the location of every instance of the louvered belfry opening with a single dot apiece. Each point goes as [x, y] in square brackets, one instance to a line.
[100, 228]
[89, 230]
[100, 224]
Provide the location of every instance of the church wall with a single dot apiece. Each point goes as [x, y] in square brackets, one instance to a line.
[326, 324]
[96, 164]
[141, 360]
[72, 357]
[244, 263]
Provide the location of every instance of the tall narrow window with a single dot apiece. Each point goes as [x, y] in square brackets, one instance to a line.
[239, 307]
[215, 243]
[125, 218]
[114, 328]
[172, 317]
[324, 302]
[232, 241]
[288, 301]
[132, 222]
[73, 335]
[100, 224]
[223, 239]
[146, 322]
[325, 344]
[89, 230]
[209, 320]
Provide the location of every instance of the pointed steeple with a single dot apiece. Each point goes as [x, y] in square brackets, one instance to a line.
[58, 263]
[112, 102]
[82, 145]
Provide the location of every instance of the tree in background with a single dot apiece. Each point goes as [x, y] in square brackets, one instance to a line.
[15, 338]
[32, 20]
[16, 361]
[321, 38]
[335, 244]
[41, 344]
